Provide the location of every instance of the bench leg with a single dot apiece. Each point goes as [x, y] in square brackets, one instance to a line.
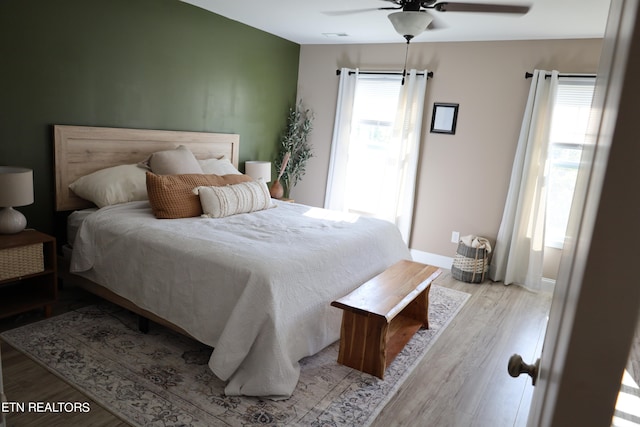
[363, 343]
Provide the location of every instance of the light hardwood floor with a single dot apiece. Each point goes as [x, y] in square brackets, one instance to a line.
[462, 381]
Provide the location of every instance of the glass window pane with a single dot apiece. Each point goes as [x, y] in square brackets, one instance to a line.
[372, 156]
[568, 129]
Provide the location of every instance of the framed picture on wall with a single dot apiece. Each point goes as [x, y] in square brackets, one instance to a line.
[444, 118]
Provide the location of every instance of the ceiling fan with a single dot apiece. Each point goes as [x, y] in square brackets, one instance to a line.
[444, 6]
[413, 16]
[413, 19]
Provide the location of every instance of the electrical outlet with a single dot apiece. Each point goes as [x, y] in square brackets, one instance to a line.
[455, 237]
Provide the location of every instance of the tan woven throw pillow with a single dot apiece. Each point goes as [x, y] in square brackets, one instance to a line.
[171, 196]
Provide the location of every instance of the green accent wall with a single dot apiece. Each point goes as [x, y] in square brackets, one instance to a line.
[149, 64]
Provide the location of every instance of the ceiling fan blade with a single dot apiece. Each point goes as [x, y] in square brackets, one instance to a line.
[480, 7]
[348, 12]
[436, 24]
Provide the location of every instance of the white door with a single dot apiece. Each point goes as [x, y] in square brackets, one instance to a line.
[595, 307]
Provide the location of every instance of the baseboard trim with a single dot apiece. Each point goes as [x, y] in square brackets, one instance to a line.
[432, 259]
[547, 285]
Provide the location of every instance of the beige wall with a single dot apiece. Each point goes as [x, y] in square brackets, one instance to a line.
[462, 178]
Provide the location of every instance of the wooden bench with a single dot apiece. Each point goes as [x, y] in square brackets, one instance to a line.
[382, 315]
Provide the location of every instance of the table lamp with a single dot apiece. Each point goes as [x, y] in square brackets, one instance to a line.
[258, 169]
[16, 189]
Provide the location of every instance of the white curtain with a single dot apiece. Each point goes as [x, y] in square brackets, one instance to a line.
[406, 135]
[519, 251]
[406, 131]
[335, 194]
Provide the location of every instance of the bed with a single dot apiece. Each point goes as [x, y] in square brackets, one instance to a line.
[254, 286]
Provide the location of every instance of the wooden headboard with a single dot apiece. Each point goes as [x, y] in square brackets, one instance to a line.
[81, 150]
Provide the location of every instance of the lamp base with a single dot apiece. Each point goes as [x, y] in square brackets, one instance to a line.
[11, 221]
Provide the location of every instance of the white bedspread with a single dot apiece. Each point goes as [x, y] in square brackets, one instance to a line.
[256, 286]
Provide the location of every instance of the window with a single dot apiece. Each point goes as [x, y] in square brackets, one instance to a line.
[373, 155]
[568, 129]
[375, 145]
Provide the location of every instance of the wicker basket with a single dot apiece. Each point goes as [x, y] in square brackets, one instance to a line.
[21, 261]
[470, 264]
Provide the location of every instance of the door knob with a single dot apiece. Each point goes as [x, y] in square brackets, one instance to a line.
[516, 367]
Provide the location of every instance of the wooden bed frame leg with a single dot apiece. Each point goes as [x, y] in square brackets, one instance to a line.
[143, 324]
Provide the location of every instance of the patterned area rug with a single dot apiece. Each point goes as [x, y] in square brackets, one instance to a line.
[162, 378]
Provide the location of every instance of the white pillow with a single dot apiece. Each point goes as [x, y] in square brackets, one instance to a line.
[218, 167]
[110, 186]
[172, 162]
[219, 202]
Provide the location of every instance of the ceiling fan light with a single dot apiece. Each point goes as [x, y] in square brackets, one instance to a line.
[410, 23]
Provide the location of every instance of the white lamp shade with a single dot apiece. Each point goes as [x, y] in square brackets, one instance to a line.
[258, 169]
[16, 186]
[16, 189]
[410, 23]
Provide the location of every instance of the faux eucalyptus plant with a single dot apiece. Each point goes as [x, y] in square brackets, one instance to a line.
[294, 151]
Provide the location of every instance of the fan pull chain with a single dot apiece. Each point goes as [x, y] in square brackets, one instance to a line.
[404, 71]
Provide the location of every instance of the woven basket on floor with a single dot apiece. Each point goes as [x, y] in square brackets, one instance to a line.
[470, 264]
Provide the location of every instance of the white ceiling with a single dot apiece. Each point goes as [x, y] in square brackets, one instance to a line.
[307, 21]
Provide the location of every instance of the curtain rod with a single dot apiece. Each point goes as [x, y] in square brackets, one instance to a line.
[429, 73]
[528, 75]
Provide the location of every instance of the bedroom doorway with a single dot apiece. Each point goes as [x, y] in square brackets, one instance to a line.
[375, 145]
[583, 357]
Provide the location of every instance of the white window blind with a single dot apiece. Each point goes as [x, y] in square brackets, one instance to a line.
[568, 130]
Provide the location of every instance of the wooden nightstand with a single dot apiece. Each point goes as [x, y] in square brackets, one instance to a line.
[28, 277]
